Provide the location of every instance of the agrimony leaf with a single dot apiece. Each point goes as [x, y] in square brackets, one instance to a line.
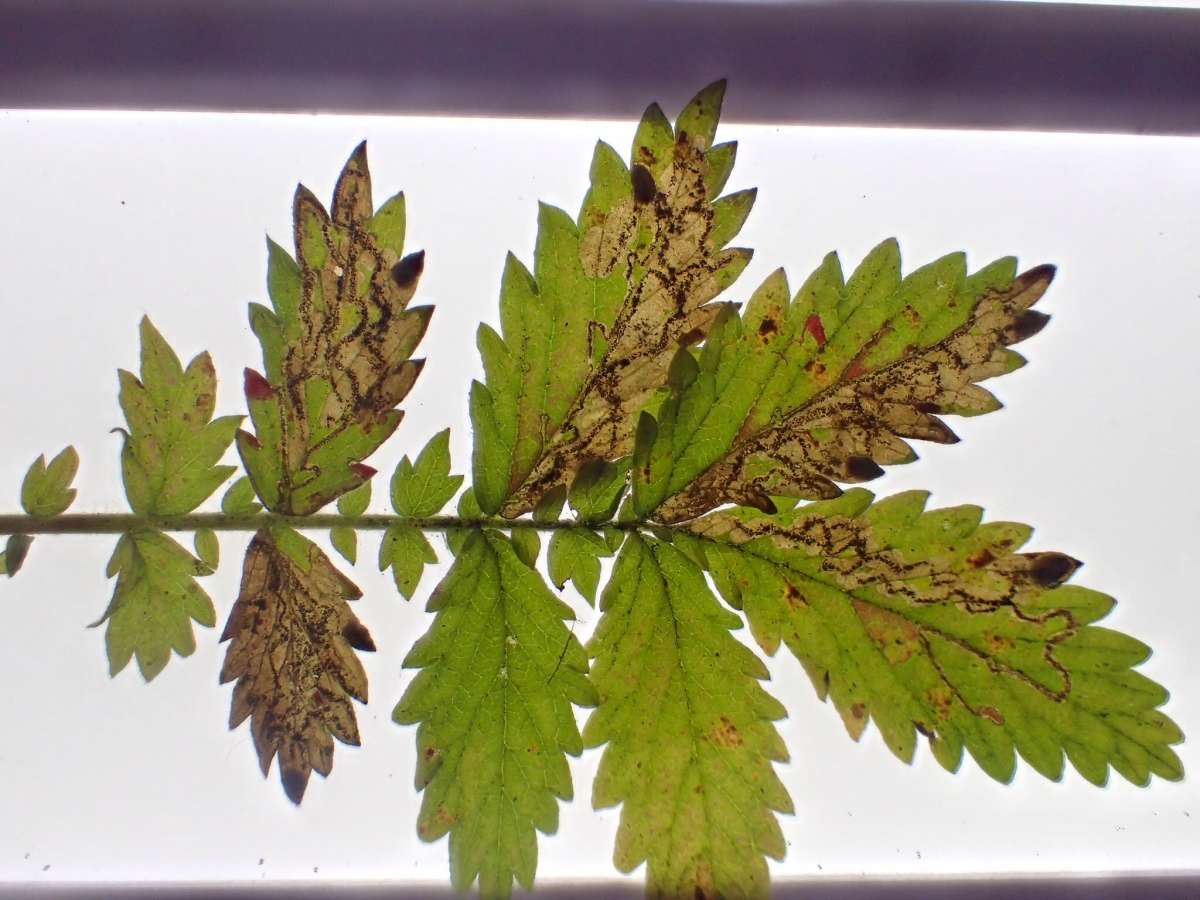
[688, 732]
[292, 640]
[46, 490]
[208, 548]
[798, 393]
[345, 542]
[239, 499]
[499, 674]
[574, 556]
[154, 603]
[587, 338]
[930, 622]
[597, 490]
[337, 346]
[16, 548]
[527, 543]
[355, 503]
[406, 551]
[421, 489]
[169, 462]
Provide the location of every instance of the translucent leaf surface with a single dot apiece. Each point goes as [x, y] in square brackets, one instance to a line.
[499, 675]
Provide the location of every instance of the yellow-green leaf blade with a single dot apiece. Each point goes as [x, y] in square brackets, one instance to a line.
[500, 672]
[46, 490]
[155, 601]
[930, 623]
[688, 733]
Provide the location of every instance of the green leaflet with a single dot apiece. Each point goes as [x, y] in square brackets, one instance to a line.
[575, 556]
[155, 602]
[239, 499]
[406, 551]
[343, 537]
[499, 674]
[929, 622]
[421, 489]
[169, 460]
[688, 732]
[796, 394]
[337, 346]
[587, 338]
[46, 490]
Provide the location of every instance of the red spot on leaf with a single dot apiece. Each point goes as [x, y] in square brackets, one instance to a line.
[362, 470]
[814, 327]
[257, 387]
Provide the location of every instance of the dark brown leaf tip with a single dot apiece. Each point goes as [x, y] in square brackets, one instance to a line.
[358, 637]
[257, 387]
[1027, 324]
[295, 782]
[1051, 569]
[643, 184]
[863, 468]
[406, 272]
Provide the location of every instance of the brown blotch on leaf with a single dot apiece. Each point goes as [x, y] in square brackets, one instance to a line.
[858, 711]
[813, 326]
[1050, 569]
[924, 729]
[767, 327]
[363, 471]
[406, 272]
[991, 714]
[643, 184]
[726, 734]
[981, 558]
[793, 597]
[357, 636]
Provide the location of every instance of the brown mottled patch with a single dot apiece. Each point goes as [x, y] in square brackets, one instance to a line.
[858, 711]
[291, 678]
[357, 636]
[941, 700]
[846, 431]
[897, 638]
[726, 734]
[992, 714]
[998, 643]
[767, 328]
[793, 597]
[981, 558]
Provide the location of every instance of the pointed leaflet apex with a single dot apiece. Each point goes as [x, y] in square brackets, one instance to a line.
[337, 348]
[588, 341]
[292, 640]
[841, 377]
[930, 623]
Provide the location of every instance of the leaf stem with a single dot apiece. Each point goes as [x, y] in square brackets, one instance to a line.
[118, 523]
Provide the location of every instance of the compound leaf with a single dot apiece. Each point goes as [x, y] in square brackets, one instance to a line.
[46, 490]
[930, 622]
[499, 674]
[688, 732]
[154, 603]
[587, 338]
[337, 347]
[795, 395]
[292, 640]
[169, 460]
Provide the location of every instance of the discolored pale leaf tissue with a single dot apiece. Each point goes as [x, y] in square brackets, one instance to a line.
[588, 337]
[337, 346]
[292, 642]
[931, 623]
